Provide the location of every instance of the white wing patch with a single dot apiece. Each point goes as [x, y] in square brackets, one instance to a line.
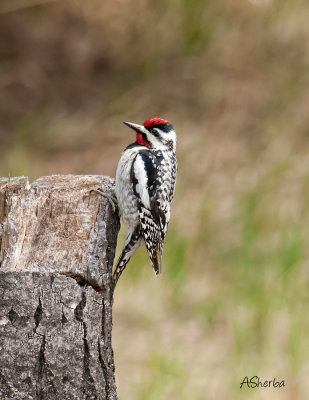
[142, 181]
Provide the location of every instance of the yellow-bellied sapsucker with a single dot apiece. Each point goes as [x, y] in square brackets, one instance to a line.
[144, 189]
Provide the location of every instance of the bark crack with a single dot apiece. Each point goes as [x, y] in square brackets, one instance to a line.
[38, 315]
[12, 316]
[88, 384]
[104, 368]
[45, 388]
[82, 281]
[89, 388]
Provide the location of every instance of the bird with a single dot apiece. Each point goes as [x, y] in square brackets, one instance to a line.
[144, 188]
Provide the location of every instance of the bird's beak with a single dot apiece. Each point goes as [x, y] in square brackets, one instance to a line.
[137, 128]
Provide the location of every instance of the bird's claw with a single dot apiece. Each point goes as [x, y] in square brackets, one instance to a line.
[112, 200]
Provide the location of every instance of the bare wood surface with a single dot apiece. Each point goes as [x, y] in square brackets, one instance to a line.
[57, 244]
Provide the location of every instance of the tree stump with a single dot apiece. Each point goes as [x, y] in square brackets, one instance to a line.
[57, 246]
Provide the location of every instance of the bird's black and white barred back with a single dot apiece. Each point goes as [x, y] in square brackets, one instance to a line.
[145, 184]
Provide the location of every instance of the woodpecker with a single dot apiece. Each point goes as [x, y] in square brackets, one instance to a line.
[144, 189]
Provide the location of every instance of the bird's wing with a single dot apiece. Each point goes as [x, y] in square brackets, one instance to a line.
[153, 195]
[173, 177]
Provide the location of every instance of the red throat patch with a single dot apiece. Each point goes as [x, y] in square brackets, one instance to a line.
[140, 140]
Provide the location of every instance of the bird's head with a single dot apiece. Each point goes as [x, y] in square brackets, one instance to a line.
[155, 133]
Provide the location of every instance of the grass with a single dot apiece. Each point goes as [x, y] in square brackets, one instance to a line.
[255, 303]
[168, 372]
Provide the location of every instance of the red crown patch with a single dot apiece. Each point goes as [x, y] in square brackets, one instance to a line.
[154, 121]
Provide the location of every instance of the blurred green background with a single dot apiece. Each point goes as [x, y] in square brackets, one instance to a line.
[232, 76]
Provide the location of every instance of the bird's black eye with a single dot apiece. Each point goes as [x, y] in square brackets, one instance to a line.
[154, 131]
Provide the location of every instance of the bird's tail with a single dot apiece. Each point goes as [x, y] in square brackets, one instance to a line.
[132, 243]
[156, 258]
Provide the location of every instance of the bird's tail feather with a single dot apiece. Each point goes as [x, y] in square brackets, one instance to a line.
[132, 243]
[156, 259]
[155, 263]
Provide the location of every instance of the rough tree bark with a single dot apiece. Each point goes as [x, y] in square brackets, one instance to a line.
[57, 244]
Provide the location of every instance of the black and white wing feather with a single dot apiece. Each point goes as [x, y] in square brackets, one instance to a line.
[153, 176]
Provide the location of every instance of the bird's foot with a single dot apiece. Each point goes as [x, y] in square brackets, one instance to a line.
[111, 198]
